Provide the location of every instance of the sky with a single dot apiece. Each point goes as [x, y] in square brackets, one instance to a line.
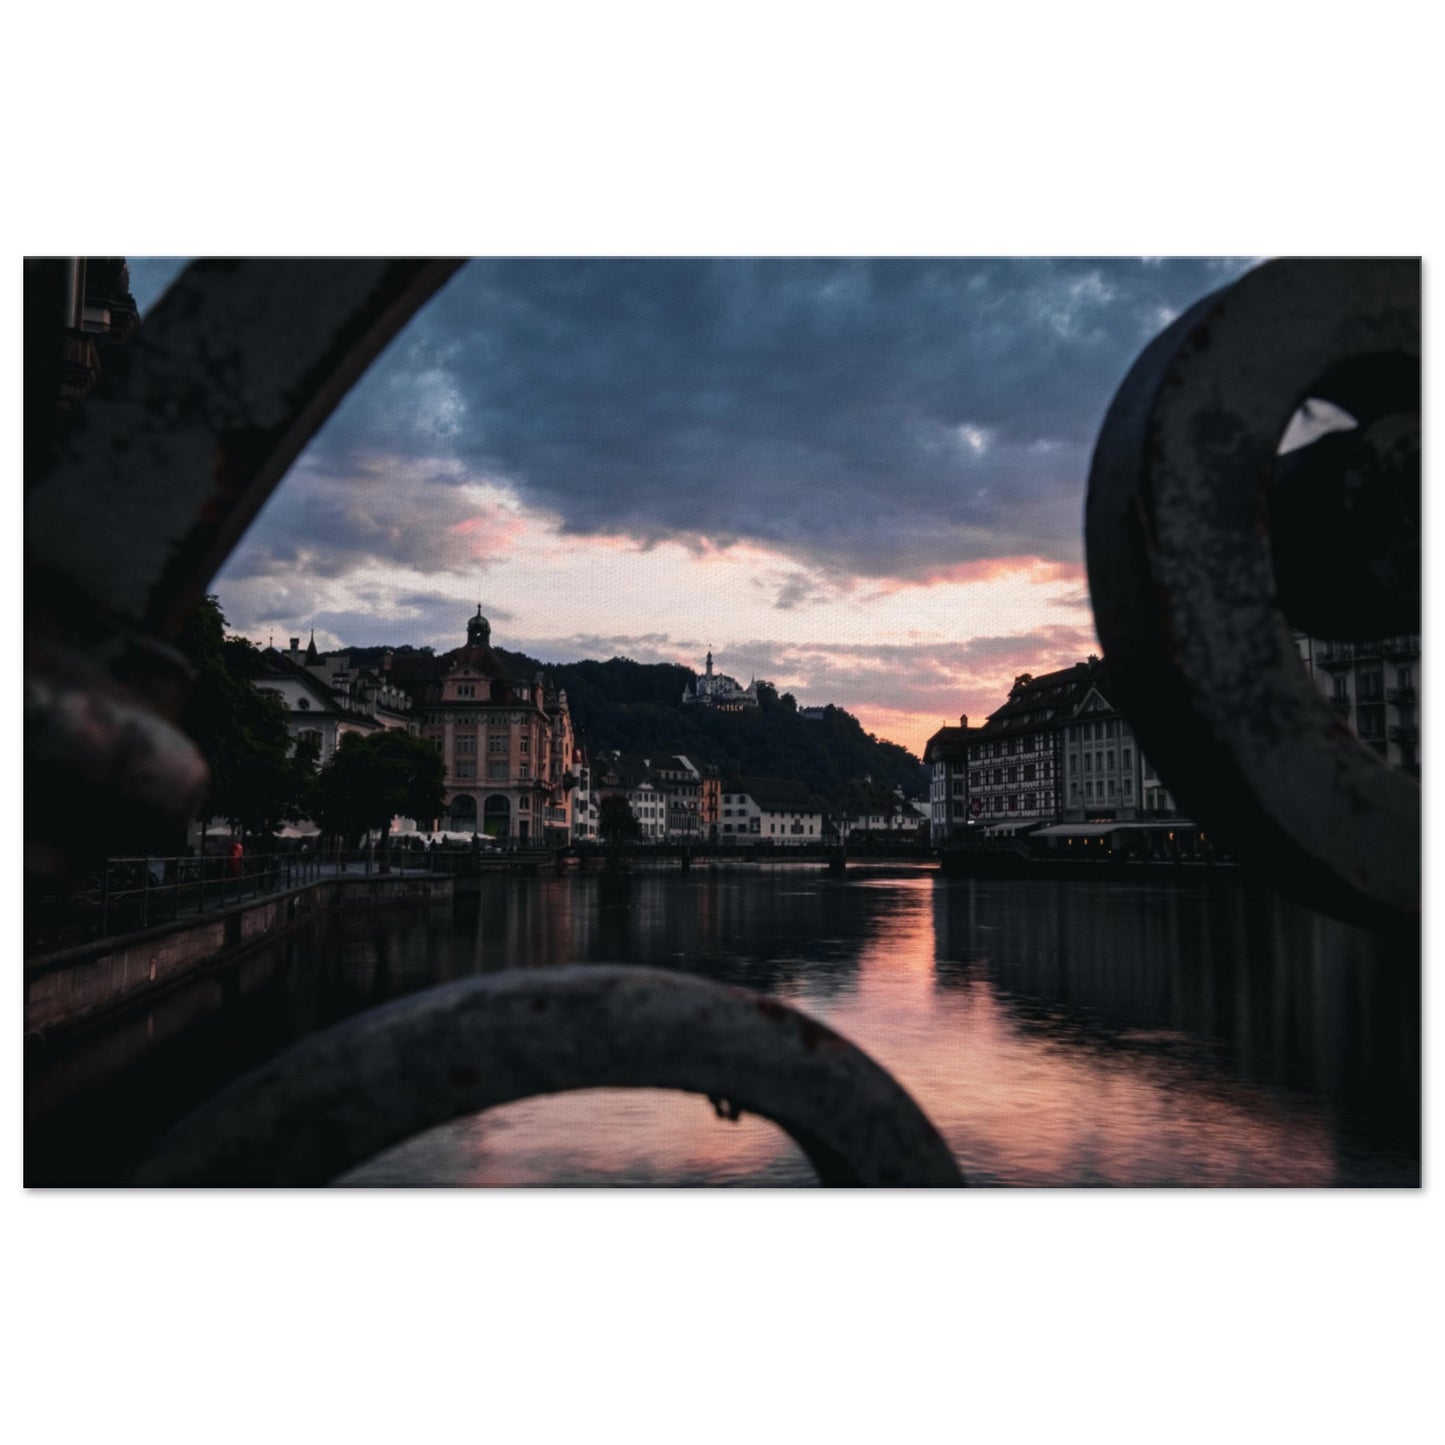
[860, 480]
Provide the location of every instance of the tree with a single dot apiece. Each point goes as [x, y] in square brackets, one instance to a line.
[372, 779]
[616, 822]
[241, 730]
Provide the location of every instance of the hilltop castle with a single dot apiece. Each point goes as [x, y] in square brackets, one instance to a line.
[720, 691]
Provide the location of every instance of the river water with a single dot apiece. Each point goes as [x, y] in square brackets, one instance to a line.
[1194, 1032]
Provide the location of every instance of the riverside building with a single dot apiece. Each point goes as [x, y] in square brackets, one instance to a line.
[507, 743]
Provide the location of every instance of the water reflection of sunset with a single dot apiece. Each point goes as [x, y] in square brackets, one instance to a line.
[1022, 1097]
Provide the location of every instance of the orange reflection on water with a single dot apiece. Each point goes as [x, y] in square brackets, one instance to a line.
[1022, 1106]
[1020, 1100]
[592, 1137]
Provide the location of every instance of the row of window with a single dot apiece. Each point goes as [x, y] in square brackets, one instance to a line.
[1102, 761]
[1009, 747]
[471, 719]
[1097, 794]
[1094, 731]
[497, 772]
[1031, 773]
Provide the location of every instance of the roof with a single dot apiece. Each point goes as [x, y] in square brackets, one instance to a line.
[947, 742]
[1041, 702]
[777, 795]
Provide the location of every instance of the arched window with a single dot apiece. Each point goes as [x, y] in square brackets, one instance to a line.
[497, 817]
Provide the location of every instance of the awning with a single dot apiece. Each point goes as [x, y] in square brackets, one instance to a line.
[1099, 830]
[1082, 830]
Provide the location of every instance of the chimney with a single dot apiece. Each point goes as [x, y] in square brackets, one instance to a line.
[963, 719]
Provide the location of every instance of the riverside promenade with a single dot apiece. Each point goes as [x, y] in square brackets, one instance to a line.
[149, 923]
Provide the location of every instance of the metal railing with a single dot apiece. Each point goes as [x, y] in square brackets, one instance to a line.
[129, 895]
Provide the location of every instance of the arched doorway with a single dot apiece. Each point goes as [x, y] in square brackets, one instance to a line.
[497, 818]
[464, 813]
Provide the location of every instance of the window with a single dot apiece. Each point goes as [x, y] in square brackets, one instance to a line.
[497, 743]
[1111, 760]
[526, 770]
[466, 745]
[466, 689]
[1127, 757]
[466, 770]
[525, 744]
[496, 770]
[524, 803]
[1088, 762]
[1031, 772]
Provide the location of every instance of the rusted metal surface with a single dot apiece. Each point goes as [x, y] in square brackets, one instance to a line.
[228, 378]
[342, 1097]
[189, 430]
[1184, 588]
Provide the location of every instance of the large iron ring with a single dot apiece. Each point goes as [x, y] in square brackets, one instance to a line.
[341, 1097]
[1184, 592]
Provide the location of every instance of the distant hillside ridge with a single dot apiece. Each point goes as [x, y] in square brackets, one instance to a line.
[636, 707]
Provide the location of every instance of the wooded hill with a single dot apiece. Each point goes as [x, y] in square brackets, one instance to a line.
[636, 707]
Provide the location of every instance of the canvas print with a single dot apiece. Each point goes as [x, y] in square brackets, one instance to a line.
[729, 721]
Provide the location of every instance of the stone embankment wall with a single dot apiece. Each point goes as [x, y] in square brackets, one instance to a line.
[65, 987]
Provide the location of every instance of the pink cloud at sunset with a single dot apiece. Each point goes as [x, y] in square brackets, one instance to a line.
[860, 480]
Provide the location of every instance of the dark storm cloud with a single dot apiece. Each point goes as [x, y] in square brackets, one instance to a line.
[882, 418]
[875, 417]
[380, 510]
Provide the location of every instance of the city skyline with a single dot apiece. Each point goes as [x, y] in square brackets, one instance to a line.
[860, 480]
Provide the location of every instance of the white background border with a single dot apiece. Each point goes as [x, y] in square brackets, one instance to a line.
[745, 129]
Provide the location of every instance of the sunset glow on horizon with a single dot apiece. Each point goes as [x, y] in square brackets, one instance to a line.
[860, 481]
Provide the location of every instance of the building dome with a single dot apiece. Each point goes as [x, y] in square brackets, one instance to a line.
[479, 630]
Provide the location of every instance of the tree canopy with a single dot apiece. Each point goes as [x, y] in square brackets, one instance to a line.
[616, 822]
[257, 780]
[374, 778]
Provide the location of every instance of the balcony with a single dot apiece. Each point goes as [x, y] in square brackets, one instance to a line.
[1394, 647]
[1334, 656]
[1405, 733]
[1401, 696]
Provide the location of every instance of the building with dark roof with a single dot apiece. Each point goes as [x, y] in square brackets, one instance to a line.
[869, 807]
[327, 697]
[950, 814]
[1016, 759]
[770, 810]
[507, 743]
